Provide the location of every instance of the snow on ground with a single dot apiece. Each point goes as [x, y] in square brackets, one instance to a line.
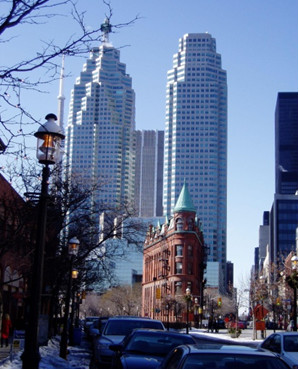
[78, 357]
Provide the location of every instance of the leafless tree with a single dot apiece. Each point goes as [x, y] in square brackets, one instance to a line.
[122, 300]
[37, 69]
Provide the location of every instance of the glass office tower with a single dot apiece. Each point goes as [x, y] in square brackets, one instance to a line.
[284, 212]
[101, 123]
[286, 143]
[196, 138]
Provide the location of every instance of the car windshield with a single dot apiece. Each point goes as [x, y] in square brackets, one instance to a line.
[155, 343]
[290, 343]
[231, 361]
[124, 327]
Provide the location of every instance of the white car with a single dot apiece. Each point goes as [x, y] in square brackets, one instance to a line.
[285, 344]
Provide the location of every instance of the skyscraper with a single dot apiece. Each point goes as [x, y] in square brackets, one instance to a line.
[196, 137]
[101, 122]
[284, 212]
[286, 143]
[149, 173]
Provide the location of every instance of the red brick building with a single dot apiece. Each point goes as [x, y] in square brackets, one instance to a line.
[14, 257]
[173, 260]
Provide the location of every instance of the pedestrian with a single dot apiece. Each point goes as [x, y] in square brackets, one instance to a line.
[5, 330]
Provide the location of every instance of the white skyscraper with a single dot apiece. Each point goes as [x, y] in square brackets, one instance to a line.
[101, 123]
[196, 138]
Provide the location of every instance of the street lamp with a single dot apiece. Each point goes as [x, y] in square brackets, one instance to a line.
[49, 137]
[188, 300]
[73, 249]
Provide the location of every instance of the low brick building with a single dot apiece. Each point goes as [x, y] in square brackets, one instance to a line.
[173, 260]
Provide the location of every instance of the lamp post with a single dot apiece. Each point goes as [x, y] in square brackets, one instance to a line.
[188, 300]
[49, 137]
[73, 249]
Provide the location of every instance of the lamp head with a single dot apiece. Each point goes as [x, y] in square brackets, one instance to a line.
[75, 274]
[74, 246]
[294, 261]
[49, 137]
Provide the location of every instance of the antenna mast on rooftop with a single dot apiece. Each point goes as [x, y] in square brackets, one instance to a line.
[106, 28]
[61, 97]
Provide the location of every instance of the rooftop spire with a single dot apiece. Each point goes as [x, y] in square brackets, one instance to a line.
[61, 97]
[106, 28]
[184, 202]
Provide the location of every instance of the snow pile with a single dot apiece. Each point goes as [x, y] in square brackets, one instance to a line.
[78, 357]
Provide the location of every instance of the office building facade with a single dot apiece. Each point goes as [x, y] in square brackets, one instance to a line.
[149, 173]
[100, 128]
[284, 212]
[286, 143]
[196, 138]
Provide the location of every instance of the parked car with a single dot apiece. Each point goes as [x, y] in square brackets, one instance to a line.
[89, 320]
[241, 325]
[221, 324]
[115, 330]
[146, 348]
[96, 327]
[285, 344]
[191, 356]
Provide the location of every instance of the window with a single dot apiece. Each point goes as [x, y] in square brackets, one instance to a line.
[190, 251]
[178, 287]
[178, 268]
[179, 224]
[178, 250]
[190, 224]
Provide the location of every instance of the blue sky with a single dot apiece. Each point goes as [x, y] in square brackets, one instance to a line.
[258, 43]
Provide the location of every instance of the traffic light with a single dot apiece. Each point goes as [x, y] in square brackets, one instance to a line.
[219, 302]
[278, 301]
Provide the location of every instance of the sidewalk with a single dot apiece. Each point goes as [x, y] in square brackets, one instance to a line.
[4, 352]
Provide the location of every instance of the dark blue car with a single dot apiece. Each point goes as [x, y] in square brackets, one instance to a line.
[146, 348]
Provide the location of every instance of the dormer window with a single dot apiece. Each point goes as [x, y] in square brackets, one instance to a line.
[179, 224]
[190, 224]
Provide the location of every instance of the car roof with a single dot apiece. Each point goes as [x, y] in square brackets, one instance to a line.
[228, 349]
[132, 318]
[160, 331]
[284, 333]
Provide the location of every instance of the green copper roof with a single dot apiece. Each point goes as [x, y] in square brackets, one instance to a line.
[184, 202]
